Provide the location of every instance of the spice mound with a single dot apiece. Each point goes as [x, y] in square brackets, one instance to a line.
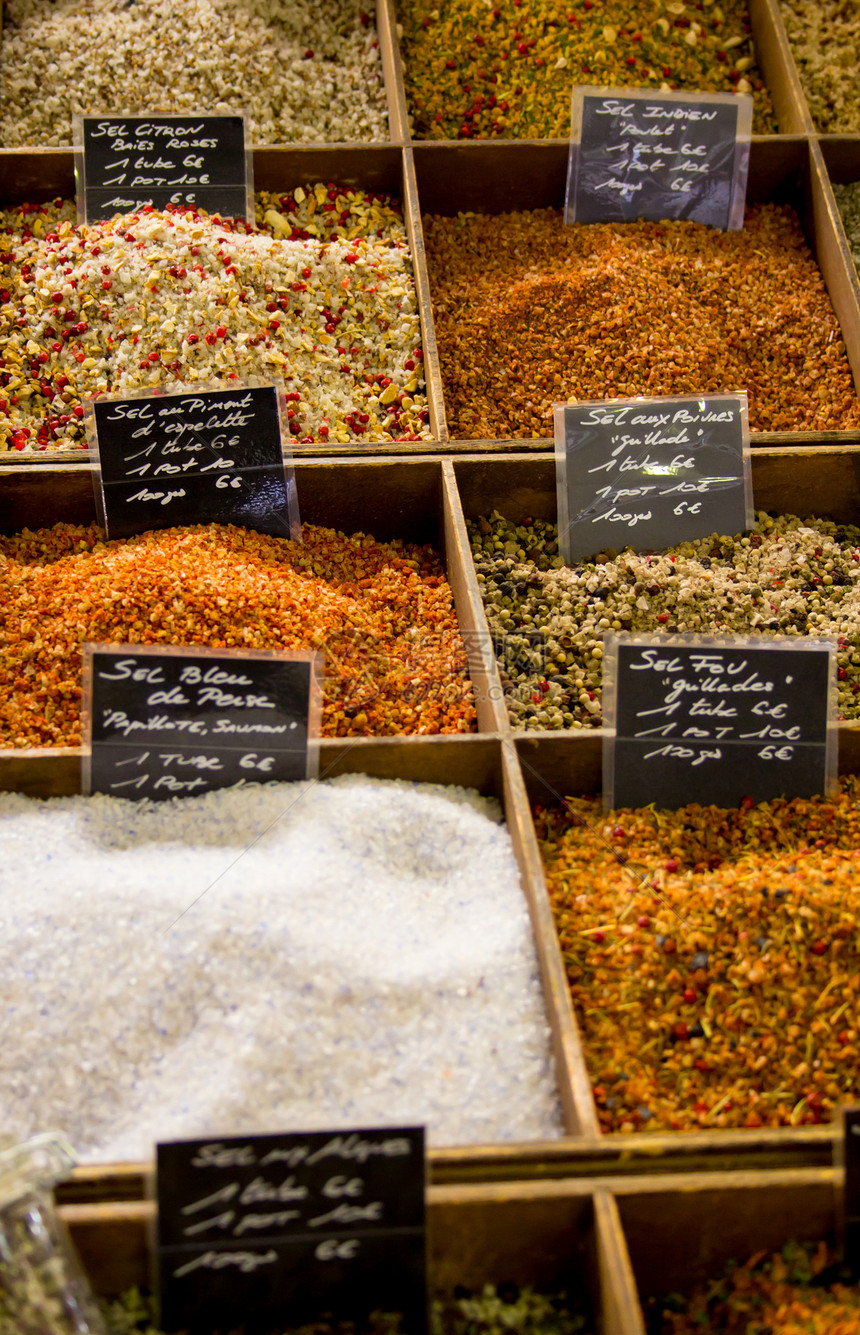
[787, 577]
[308, 956]
[319, 294]
[473, 71]
[823, 35]
[358, 601]
[802, 1290]
[530, 313]
[713, 958]
[304, 70]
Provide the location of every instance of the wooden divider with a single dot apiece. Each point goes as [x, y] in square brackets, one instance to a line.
[773, 54]
[389, 51]
[415, 231]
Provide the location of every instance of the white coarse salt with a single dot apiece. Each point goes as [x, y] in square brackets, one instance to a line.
[304, 70]
[283, 957]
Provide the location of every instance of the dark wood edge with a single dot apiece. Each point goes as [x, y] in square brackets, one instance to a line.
[389, 52]
[776, 62]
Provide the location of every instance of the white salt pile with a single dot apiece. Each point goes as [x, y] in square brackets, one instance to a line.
[290, 957]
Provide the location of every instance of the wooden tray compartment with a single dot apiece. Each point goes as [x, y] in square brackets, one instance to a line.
[558, 764]
[482, 763]
[773, 55]
[500, 176]
[804, 481]
[421, 500]
[415, 500]
[412, 499]
[683, 1232]
[391, 72]
[552, 1235]
[36, 175]
[555, 766]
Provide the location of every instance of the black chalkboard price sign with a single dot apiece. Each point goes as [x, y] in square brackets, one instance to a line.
[636, 154]
[165, 721]
[715, 719]
[211, 456]
[650, 473]
[271, 1231]
[124, 163]
[851, 1189]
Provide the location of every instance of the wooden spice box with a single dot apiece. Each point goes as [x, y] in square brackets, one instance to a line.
[499, 177]
[773, 55]
[555, 1235]
[444, 178]
[802, 481]
[428, 500]
[39, 175]
[682, 1233]
[625, 1242]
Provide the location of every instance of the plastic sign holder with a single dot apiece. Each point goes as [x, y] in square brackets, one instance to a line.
[652, 472]
[715, 719]
[268, 1231]
[217, 455]
[636, 154]
[163, 721]
[125, 163]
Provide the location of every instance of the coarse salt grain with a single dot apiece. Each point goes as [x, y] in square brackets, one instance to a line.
[356, 952]
[304, 70]
[322, 296]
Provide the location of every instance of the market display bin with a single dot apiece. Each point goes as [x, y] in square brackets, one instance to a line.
[773, 55]
[383, 14]
[497, 177]
[414, 500]
[804, 481]
[428, 500]
[682, 1233]
[555, 765]
[409, 499]
[40, 175]
[555, 1236]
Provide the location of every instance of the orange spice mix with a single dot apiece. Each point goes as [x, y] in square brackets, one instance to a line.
[713, 958]
[359, 600]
